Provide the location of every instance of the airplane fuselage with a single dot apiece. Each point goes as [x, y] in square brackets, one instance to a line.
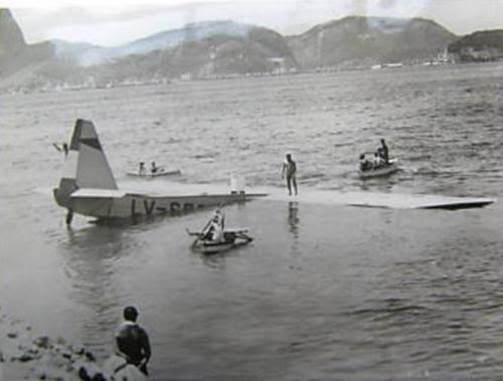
[136, 205]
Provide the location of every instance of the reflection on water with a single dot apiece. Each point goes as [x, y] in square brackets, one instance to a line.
[91, 258]
[293, 218]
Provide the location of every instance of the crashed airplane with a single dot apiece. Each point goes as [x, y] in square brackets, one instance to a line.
[88, 186]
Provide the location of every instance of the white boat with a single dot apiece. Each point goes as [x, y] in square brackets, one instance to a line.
[213, 238]
[159, 173]
[383, 170]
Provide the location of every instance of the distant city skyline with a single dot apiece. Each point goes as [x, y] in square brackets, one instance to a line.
[116, 22]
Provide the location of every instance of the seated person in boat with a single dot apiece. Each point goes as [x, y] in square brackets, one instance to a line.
[364, 163]
[378, 161]
[142, 170]
[215, 230]
[154, 168]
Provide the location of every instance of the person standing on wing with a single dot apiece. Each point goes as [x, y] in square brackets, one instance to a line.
[132, 341]
[290, 169]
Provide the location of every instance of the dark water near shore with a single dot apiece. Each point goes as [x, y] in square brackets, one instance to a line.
[324, 292]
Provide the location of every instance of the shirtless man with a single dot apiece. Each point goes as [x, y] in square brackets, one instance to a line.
[132, 341]
[290, 169]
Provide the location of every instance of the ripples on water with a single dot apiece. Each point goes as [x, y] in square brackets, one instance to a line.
[324, 292]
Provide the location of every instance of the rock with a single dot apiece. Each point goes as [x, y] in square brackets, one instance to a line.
[90, 356]
[25, 357]
[12, 335]
[42, 342]
[98, 377]
[83, 375]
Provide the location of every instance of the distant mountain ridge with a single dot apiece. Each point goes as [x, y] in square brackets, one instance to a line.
[372, 39]
[217, 48]
[95, 55]
[478, 46]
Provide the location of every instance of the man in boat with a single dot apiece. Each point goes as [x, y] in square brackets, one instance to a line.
[290, 169]
[364, 162]
[384, 151]
[378, 161]
[215, 230]
[132, 341]
[142, 171]
[153, 168]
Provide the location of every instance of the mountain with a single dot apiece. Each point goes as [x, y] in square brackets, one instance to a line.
[479, 46]
[11, 37]
[257, 50]
[202, 50]
[357, 39]
[87, 55]
[15, 54]
[214, 49]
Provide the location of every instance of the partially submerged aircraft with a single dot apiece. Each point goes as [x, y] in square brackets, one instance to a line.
[88, 186]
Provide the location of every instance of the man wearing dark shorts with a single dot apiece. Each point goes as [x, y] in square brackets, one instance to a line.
[132, 341]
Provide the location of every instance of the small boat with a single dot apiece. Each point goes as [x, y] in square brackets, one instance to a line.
[382, 170]
[214, 238]
[159, 173]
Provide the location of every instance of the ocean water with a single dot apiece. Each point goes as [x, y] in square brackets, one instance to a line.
[324, 291]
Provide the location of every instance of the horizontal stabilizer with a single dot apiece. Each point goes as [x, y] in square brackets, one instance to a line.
[97, 193]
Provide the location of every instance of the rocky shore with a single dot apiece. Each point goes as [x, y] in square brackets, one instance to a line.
[24, 355]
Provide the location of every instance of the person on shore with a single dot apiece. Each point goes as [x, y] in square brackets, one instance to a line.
[290, 170]
[142, 170]
[132, 341]
[384, 151]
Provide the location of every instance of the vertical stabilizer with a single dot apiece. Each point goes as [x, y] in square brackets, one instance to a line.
[86, 165]
[93, 170]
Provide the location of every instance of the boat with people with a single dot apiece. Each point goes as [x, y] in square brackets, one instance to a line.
[215, 238]
[162, 172]
[378, 164]
[155, 171]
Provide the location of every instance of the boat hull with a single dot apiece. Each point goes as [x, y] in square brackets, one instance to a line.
[175, 172]
[231, 241]
[386, 170]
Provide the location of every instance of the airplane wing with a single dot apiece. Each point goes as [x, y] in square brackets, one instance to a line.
[97, 193]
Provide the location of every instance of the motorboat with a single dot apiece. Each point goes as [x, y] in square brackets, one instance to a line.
[214, 238]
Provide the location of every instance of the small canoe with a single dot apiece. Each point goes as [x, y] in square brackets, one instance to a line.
[232, 238]
[160, 173]
[383, 170]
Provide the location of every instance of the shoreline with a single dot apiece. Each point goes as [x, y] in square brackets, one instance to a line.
[26, 355]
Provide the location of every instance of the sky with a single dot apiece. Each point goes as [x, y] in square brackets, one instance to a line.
[115, 22]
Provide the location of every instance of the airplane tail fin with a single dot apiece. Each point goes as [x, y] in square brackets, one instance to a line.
[93, 170]
[86, 165]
